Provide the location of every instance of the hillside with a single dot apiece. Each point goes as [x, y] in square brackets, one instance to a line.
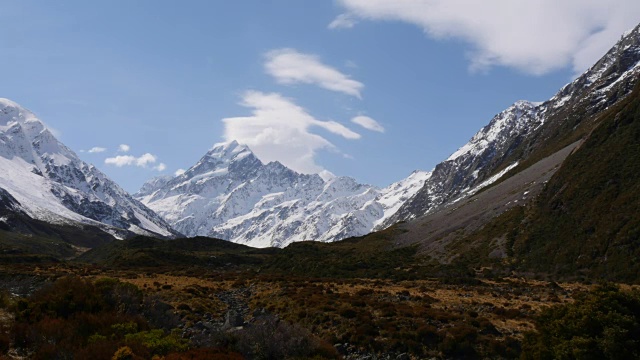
[587, 219]
[527, 132]
[140, 252]
[571, 215]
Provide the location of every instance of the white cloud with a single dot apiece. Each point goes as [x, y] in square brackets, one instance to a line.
[535, 36]
[343, 21]
[179, 172]
[124, 148]
[96, 149]
[145, 159]
[129, 160]
[278, 129]
[368, 123]
[289, 66]
[121, 160]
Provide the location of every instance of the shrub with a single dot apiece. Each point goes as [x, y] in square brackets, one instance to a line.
[5, 341]
[602, 324]
[124, 353]
[206, 354]
[5, 299]
[157, 342]
[348, 313]
[458, 342]
[271, 338]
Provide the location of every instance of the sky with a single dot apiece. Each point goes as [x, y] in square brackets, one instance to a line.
[371, 89]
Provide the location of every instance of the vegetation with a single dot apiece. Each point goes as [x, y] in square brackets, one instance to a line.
[81, 319]
[602, 324]
[383, 317]
[141, 251]
[370, 256]
[76, 318]
[587, 220]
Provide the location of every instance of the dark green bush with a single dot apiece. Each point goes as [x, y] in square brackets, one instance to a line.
[602, 324]
[271, 338]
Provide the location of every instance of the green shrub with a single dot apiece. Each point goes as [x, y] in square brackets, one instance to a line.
[157, 342]
[602, 324]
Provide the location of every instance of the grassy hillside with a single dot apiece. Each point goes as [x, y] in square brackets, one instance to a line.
[23, 239]
[587, 219]
[144, 251]
[584, 224]
[371, 255]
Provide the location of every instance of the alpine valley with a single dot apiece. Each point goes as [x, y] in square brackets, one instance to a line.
[492, 254]
[229, 194]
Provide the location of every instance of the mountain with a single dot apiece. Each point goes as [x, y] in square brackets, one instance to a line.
[230, 194]
[586, 221]
[514, 137]
[44, 182]
[563, 202]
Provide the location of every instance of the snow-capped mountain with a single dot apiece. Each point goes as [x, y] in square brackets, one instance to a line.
[44, 179]
[467, 167]
[231, 194]
[525, 126]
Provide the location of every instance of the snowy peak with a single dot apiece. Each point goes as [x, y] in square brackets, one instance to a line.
[515, 133]
[10, 112]
[153, 184]
[617, 67]
[52, 184]
[232, 195]
[222, 159]
[620, 58]
[227, 153]
[508, 123]
[227, 150]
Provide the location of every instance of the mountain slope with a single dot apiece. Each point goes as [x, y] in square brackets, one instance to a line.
[46, 181]
[527, 132]
[473, 163]
[569, 207]
[587, 219]
[230, 194]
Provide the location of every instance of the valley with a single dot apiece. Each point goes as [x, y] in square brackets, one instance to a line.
[523, 243]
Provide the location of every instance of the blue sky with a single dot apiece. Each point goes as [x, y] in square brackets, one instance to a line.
[371, 89]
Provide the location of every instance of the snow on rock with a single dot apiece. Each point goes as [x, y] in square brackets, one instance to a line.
[231, 194]
[476, 163]
[52, 184]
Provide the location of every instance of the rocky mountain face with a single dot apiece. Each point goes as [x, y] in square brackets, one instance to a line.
[43, 179]
[230, 194]
[517, 133]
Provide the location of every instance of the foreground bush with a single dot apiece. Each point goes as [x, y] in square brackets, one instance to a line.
[75, 318]
[272, 338]
[602, 324]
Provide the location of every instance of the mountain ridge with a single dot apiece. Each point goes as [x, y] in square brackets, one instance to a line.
[493, 149]
[48, 181]
[230, 194]
[506, 145]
